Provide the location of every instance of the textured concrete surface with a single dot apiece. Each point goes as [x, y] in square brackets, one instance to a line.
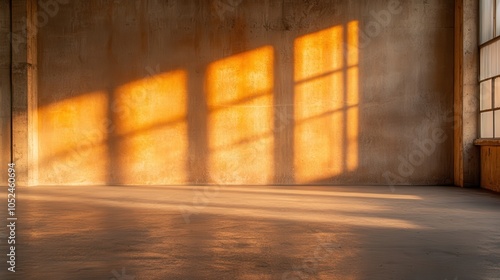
[24, 82]
[255, 233]
[467, 159]
[246, 92]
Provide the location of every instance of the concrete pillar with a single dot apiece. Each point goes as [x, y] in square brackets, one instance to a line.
[5, 145]
[24, 98]
[466, 101]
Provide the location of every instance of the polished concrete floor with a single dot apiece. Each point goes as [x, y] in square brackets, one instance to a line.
[126, 233]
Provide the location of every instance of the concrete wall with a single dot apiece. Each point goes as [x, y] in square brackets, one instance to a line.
[246, 92]
[4, 89]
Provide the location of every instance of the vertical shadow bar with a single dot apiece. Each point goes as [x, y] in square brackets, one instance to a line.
[113, 168]
[197, 115]
[197, 111]
[284, 111]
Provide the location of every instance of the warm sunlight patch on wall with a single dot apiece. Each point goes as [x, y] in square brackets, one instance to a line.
[326, 98]
[72, 135]
[240, 102]
[352, 98]
[151, 129]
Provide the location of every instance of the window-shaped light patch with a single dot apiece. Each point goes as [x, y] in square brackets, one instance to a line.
[150, 116]
[352, 98]
[240, 124]
[326, 103]
[73, 137]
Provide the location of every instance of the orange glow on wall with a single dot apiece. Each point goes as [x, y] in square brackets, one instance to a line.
[352, 123]
[326, 103]
[319, 53]
[151, 129]
[73, 145]
[240, 102]
[137, 133]
[352, 47]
